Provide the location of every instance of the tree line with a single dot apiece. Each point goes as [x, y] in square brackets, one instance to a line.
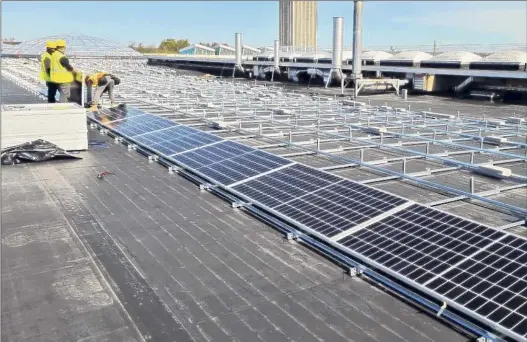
[168, 45]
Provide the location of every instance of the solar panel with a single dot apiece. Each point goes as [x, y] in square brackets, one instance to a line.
[185, 143]
[211, 154]
[476, 267]
[339, 207]
[320, 201]
[165, 135]
[493, 283]
[286, 184]
[140, 124]
[241, 167]
[104, 116]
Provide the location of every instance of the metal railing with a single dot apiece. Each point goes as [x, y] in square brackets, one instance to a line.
[434, 49]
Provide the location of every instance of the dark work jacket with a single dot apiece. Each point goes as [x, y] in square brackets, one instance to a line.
[65, 62]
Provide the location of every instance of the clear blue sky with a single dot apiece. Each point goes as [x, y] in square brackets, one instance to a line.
[385, 23]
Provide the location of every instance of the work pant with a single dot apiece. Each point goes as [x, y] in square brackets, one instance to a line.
[52, 91]
[64, 91]
[99, 90]
[76, 93]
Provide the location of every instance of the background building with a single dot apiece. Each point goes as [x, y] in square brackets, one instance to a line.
[298, 23]
[197, 49]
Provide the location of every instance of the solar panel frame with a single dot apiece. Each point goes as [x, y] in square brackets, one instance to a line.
[339, 207]
[162, 140]
[165, 134]
[423, 285]
[203, 156]
[139, 125]
[241, 167]
[287, 182]
[490, 284]
[279, 191]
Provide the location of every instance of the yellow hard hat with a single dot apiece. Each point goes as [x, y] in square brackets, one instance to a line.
[51, 44]
[61, 43]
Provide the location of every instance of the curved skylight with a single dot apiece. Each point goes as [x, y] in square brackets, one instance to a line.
[76, 46]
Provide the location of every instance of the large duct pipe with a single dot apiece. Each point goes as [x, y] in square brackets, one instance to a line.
[238, 48]
[276, 55]
[338, 40]
[357, 39]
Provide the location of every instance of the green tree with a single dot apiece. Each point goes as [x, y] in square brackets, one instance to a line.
[173, 45]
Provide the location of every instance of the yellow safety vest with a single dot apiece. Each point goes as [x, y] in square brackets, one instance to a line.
[59, 74]
[95, 78]
[43, 74]
[78, 77]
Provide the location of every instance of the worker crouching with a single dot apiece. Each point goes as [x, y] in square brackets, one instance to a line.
[103, 83]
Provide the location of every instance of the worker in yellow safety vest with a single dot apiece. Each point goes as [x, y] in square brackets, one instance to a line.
[103, 82]
[45, 70]
[62, 73]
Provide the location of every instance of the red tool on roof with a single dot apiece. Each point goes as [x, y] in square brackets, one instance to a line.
[104, 173]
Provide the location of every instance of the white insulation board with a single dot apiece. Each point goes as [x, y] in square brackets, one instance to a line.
[63, 124]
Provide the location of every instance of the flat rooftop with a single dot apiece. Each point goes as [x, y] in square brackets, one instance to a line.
[145, 255]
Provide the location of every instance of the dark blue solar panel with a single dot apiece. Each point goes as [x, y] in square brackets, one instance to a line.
[211, 154]
[477, 267]
[165, 135]
[285, 185]
[140, 124]
[493, 283]
[184, 143]
[241, 167]
[420, 242]
[339, 207]
[201, 139]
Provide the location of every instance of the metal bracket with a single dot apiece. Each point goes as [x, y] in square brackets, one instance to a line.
[291, 236]
[240, 204]
[103, 131]
[354, 271]
[132, 147]
[93, 125]
[172, 169]
[486, 339]
[153, 158]
[118, 139]
[206, 186]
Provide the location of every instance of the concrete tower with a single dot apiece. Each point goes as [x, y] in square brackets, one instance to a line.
[298, 23]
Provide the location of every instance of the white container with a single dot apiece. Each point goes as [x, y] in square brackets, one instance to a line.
[63, 124]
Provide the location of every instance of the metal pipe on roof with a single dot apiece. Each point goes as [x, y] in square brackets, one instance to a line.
[338, 40]
[238, 48]
[357, 39]
[277, 56]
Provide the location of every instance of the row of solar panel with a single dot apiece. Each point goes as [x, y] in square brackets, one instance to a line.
[476, 267]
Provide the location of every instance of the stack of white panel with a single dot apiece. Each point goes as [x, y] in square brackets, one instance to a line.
[63, 124]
